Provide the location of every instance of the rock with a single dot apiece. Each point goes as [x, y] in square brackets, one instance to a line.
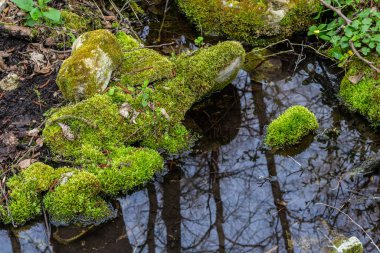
[351, 245]
[10, 82]
[95, 57]
[3, 4]
[255, 22]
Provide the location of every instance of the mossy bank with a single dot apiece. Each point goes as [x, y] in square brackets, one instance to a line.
[253, 21]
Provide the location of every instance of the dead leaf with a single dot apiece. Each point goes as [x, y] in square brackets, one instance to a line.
[134, 116]
[67, 133]
[26, 163]
[356, 78]
[33, 133]
[125, 110]
[40, 142]
[166, 115]
[9, 139]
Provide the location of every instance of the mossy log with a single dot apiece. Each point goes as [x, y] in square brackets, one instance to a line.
[95, 134]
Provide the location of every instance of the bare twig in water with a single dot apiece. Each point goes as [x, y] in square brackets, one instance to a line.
[74, 238]
[352, 46]
[352, 220]
[163, 21]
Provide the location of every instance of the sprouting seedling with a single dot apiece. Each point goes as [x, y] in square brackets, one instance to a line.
[199, 41]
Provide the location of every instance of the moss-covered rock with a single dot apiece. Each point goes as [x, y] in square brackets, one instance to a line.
[350, 245]
[360, 90]
[75, 198]
[95, 56]
[254, 21]
[290, 127]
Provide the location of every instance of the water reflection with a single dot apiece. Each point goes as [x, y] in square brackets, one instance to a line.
[233, 194]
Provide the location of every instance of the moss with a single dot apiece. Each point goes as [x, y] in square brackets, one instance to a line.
[125, 168]
[347, 245]
[75, 22]
[87, 71]
[201, 70]
[97, 122]
[142, 64]
[127, 42]
[26, 190]
[363, 96]
[145, 65]
[249, 20]
[291, 126]
[176, 139]
[76, 198]
[255, 58]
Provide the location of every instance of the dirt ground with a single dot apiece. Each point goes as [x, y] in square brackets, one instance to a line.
[22, 109]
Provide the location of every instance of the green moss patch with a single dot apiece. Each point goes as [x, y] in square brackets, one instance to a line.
[362, 93]
[290, 127]
[26, 191]
[255, 22]
[75, 199]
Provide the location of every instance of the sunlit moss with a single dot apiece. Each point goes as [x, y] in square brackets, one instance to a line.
[76, 198]
[291, 126]
[127, 42]
[362, 97]
[252, 21]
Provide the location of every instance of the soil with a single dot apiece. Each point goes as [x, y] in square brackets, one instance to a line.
[22, 109]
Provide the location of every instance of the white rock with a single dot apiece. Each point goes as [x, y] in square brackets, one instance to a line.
[10, 82]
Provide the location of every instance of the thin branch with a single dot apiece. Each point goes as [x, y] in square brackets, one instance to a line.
[352, 220]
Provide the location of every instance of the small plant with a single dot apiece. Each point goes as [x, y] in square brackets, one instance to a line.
[38, 12]
[355, 28]
[199, 41]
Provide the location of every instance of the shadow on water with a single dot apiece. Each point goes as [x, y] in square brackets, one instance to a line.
[233, 194]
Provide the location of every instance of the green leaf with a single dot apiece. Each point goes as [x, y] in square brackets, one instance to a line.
[35, 13]
[365, 50]
[325, 37]
[378, 48]
[26, 5]
[348, 32]
[30, 22]
[144, 103]
[53, 15]
[357, 44]
[367, 21]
